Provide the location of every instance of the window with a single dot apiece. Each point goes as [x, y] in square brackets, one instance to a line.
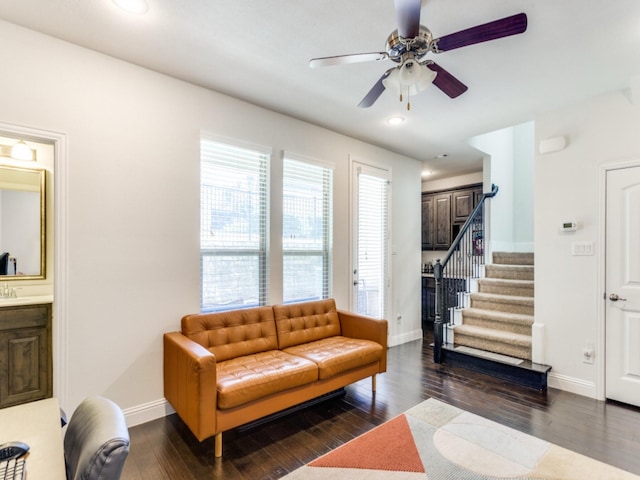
[233, 226]
[307, 193]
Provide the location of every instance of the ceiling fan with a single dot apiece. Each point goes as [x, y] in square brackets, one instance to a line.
[409, 45]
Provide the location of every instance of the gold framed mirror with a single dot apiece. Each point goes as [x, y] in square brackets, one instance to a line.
[22, 223]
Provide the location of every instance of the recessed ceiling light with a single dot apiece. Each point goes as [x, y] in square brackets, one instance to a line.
[426, 173]
[395, 120]
[133, 6]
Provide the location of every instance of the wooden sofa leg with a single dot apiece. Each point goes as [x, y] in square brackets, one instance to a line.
[218, 445]
[373, 383]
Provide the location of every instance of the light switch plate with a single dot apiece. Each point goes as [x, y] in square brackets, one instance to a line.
[581, 248]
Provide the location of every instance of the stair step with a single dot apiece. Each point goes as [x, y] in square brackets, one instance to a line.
[525, 372]
[510, 272]
[513, 258]
[503, 286]
[497, 341]
[490, 355]
[516, 323]
[502, 303]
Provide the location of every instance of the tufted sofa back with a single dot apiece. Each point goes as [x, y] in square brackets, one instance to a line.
[306, 322]
[234, 333]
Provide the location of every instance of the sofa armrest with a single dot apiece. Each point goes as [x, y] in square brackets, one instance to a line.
[190, 383]
[358, 326]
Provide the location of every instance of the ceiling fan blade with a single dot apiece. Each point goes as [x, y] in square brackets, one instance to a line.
[446, 82]
[408, 15]
[371, 97]
[343, 59]
[504, 27]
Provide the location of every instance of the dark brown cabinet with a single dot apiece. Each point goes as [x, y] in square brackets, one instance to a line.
[441, 221]
[25, 354]
[444, 212]
[427, 222]
[463, 205]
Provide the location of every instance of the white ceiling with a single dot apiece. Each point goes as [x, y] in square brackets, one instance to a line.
[259, 51]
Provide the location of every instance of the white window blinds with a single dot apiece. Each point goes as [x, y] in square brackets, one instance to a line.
[307, 219]
[233, 226]
[372, 244]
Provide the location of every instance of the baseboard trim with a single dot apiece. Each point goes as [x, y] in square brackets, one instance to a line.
[572, 384]
[147, 412]
[405, 338]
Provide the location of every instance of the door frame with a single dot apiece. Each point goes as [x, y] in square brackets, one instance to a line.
[60, 251]
[601, 360]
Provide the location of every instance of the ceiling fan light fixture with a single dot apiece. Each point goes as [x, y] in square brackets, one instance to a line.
[410, 78]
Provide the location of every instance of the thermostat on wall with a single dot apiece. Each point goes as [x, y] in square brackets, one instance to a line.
[569, 227]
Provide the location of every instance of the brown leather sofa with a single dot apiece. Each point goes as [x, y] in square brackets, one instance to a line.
[226, 369]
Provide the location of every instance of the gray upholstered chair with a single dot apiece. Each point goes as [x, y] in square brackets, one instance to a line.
[96, 443]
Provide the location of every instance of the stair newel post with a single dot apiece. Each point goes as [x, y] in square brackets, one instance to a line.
[437, 324]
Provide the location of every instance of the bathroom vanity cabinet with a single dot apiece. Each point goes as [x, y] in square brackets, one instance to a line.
[25, 353]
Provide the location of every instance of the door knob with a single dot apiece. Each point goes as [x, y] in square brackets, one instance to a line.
[614, 298]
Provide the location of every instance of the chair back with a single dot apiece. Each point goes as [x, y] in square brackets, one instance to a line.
[96, 443]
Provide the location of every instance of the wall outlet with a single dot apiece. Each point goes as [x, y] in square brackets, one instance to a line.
[588, 354]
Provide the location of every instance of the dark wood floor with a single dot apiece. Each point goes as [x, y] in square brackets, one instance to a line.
[166, 449]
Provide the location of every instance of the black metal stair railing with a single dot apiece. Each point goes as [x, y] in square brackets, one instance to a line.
[462, 263]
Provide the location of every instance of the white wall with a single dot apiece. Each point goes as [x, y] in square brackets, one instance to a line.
[523, 186]
[569, 289]
[132, 190]
[451, 182]
[509, 165]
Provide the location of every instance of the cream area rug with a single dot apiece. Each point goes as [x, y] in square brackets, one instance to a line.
[436, 441]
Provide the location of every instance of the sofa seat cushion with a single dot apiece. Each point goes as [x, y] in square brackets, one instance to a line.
[335, 355]
[244, 379]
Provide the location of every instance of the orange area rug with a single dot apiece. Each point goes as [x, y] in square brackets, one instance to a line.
[389, 447]
[436, 441]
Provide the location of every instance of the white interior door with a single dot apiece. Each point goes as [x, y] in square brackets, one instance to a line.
[622, 328]
[370, 240]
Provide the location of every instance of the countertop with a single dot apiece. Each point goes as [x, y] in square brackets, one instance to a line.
[25, 300]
